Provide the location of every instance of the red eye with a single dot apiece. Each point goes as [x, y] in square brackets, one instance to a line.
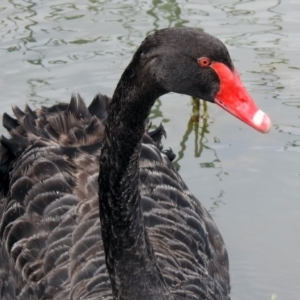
[204, 62]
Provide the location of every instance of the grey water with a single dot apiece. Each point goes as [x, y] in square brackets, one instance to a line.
[248, 181]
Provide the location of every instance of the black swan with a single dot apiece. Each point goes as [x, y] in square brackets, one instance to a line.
[153, 239]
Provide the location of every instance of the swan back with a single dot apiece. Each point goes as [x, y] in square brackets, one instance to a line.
[51, 245]
[50, 228]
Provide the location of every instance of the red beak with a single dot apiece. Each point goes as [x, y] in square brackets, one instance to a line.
[234, 98]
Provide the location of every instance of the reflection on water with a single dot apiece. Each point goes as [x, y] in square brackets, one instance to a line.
[217, 202]
[49, 49]
[167, 10]
[198, 126]
[156, 112]
[34, 84]
[193, 127]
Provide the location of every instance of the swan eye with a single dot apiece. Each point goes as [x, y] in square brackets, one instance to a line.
[204, 62]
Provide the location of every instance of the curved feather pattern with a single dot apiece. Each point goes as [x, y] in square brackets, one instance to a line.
[51, 246]
[91, 206]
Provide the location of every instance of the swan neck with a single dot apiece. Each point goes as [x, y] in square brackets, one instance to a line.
[126, 244]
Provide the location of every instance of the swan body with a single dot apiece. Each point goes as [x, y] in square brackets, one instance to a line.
[153, 239]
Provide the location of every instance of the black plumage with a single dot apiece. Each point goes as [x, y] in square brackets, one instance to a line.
[153, 240]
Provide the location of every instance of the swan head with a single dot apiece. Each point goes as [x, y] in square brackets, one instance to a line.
[189, 61]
